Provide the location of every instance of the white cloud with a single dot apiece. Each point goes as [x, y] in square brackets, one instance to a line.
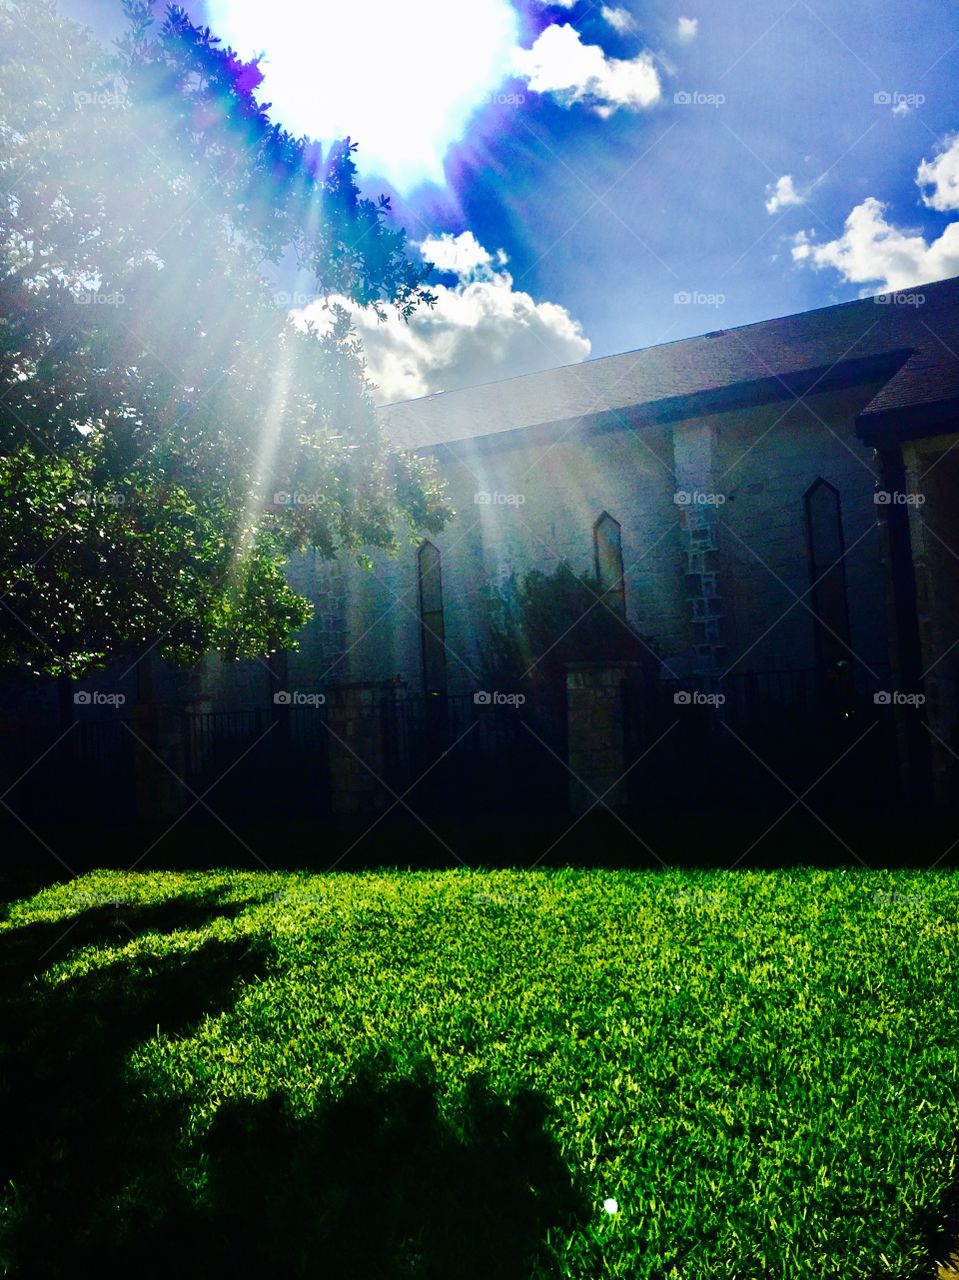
[942, 175]
[620, 20]
[481, 329]
[461, 255]
[872, 250]
[686, 29]
[781, 194]
[561, 65]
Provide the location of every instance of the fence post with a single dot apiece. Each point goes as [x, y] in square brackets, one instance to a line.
[396, 763]
[161, 760]
[357, 759]
[597, 734]
[14, 732]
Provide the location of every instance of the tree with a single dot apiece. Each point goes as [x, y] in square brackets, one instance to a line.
[153, 395]
[539, 624]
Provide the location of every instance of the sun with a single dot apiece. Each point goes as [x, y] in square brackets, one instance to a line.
[401, 77]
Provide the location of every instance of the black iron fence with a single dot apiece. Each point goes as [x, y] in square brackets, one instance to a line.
[440, 754]
[83, 772]
[748, 736]
[711, 741]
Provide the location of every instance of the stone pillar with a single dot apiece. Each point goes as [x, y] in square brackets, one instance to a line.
[932, 486]
[597, 738]
[14, 732]
[698, 500]
[397, 746]
[358, 764]
[161, 760]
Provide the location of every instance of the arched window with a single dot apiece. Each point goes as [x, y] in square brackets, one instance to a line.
[827, 573]
[608, 548]
[431, 618]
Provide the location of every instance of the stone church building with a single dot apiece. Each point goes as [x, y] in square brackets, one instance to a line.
[778, 497]
[772, 503]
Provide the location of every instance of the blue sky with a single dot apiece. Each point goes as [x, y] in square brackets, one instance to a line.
[645, 171]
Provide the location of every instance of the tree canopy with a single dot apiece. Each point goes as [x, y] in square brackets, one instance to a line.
[167, 435]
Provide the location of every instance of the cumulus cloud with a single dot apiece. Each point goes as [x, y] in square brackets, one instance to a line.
[481, 329]
[873, 250]
[560, 64]
[781, 194]
[686, 29]
[942, 176]
[461, 255]
[620, 20]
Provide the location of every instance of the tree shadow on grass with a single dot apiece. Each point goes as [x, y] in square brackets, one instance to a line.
[32, 947]
[938, 1229]
[375, 1184]
[77, 1138]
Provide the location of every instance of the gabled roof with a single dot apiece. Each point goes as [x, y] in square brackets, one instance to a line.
[697, 369]
[926, 378]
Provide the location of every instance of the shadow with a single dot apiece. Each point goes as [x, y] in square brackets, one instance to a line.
[26, 950]
[79, 1140]
[99, 1175]
[938, 1230]
[377, 1184]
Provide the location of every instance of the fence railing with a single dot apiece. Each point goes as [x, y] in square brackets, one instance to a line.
[463, 754]
[739, 737]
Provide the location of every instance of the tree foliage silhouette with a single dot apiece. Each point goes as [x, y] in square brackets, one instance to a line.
[154, 394]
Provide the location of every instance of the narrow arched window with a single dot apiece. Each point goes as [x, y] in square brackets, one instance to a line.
[608, 549]
[431, 619]
[827, 572]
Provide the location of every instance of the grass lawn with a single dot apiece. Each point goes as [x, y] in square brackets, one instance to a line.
[446, 1075]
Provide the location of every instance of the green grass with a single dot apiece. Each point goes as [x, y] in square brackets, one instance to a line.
[446, 1074]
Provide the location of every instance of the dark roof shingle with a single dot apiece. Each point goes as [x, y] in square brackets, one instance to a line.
[693, 366]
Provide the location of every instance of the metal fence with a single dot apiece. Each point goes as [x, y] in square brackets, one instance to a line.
[84, 772]
[259, 763]
[721, 741]
[748, 737]
[456, 752]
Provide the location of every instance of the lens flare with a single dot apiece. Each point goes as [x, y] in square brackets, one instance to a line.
[403, 80]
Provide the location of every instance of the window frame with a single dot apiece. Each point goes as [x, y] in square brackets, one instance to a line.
[432, 622]
[617, 592]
